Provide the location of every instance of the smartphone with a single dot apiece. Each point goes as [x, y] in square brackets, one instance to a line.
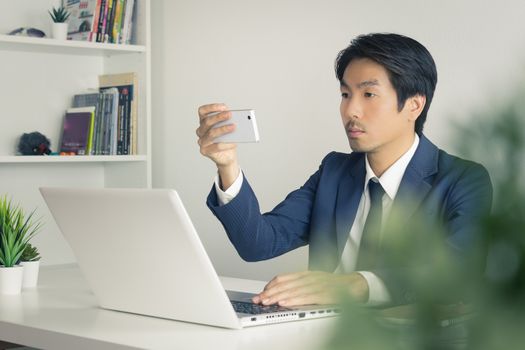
[246, 127]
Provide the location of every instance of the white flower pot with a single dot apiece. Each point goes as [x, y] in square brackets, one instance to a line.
[31, 269]
[59, 31]
[11, 279]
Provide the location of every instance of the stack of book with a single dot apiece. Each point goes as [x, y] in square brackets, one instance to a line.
[105, 21]
[103, 122]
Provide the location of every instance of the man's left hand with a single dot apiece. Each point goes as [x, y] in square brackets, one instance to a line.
[312, 287]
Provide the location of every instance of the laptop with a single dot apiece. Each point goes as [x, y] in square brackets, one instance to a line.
[140, 253]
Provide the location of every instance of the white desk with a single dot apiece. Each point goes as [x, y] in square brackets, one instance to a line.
[62, 313]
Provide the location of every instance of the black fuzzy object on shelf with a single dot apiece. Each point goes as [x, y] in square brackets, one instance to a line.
[34, 144]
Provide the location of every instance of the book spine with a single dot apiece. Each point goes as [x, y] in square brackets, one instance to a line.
[100, 128]
[126, 32]
[134, 120]
[100, 25]
[122, 118]
[106, 22]
[107, 123]
[118, 21]
[113, 121]
[111, 20]
[96, 125]
[94, 28]
[127, 121]
[117, 124]
[89, 148]
[132, 129]
[122, 21]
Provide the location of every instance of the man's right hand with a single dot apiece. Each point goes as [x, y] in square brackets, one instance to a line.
[224, 155]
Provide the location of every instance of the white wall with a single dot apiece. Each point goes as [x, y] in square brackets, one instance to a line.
[277, 56]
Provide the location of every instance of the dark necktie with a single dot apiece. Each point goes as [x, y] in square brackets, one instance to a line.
[370, 239]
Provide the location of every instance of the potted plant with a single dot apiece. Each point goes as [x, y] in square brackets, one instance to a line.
[30, 260]
[59, 17]
[15, 232]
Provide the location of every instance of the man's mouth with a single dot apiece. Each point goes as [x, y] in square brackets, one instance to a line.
[355, 132]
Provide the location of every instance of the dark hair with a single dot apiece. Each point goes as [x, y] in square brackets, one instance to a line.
[411, 68]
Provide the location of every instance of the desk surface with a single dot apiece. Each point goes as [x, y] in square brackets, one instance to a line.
[62, 313]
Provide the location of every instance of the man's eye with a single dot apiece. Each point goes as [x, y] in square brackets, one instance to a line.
[369, 94]
[344, 94]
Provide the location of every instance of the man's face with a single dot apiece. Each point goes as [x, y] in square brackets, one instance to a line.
[369, 109]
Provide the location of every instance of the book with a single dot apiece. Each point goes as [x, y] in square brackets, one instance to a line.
[127, 21]
[108, 25]
[113, 119]
[101, 20]
[82, 18]
[111, 109]
[77, 132]
[117, 24]
[94, 30]
[92, 99]
[127, 128]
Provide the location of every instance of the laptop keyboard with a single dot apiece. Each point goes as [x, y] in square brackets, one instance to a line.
[255, 309]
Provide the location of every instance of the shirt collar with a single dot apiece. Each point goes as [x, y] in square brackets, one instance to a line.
[391, 178]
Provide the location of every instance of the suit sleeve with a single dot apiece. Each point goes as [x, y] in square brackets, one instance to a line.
[258, 236]
[470, 201]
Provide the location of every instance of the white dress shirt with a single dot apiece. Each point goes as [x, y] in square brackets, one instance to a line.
[224, 197]
[390, 181]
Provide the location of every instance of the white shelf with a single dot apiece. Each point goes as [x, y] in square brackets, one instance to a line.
[70, 159]
[38, 79]
[10, 42]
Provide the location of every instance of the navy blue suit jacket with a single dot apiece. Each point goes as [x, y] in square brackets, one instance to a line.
[437, 185]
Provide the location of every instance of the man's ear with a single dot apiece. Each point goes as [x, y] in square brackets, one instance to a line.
[415, 106]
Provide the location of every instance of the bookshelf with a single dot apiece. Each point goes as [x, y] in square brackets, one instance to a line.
[39, 78]
[20, 43]
[85, 159]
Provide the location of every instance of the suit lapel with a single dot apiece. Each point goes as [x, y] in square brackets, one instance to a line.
[348, 197]
[415, 184]
[414, 187]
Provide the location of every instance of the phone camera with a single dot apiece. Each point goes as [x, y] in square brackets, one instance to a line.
[249, 118]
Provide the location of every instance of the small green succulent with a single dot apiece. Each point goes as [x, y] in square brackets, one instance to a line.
[16, 230]
[30, 253]
[59, 15]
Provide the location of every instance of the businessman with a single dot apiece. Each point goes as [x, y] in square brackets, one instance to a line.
[387, 82]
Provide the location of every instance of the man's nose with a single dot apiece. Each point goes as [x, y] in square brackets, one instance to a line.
[352, 110]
